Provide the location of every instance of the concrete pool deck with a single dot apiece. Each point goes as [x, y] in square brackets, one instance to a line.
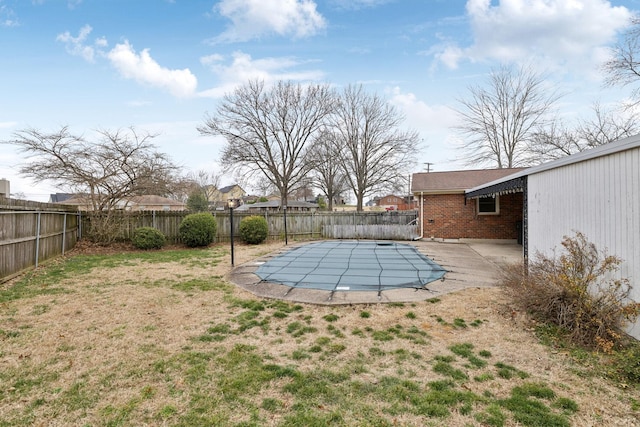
[469, 265]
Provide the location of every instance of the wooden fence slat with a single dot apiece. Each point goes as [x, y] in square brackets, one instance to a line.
[24, 241]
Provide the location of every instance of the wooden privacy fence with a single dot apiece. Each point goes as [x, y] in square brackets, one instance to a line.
[31, 232]
[300, 225]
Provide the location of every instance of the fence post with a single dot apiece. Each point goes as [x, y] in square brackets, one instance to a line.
[64, 231]
[37, 238]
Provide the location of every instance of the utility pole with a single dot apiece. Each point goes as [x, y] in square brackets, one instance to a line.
[428, 166]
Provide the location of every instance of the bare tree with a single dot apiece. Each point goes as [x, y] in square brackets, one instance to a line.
[373, 153]
[605, 126]
[553, 142]
[329, 175]
[268, 131]
[204, 182]
[608, 125]
[107, 171]
[498, 122]
[623, 68]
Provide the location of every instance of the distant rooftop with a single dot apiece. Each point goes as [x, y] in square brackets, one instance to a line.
[456, 181]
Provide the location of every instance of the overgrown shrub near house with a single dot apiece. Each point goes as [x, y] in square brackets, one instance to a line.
[577, 291]
[148, 238]
[253, 229]
[198, 229]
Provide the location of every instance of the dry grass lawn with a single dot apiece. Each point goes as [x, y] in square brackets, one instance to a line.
[133, 340]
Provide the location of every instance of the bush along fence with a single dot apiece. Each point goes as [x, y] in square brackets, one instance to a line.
[300, 225]
[31, 232]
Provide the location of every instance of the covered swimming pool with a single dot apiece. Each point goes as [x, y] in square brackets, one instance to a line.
[340, 265]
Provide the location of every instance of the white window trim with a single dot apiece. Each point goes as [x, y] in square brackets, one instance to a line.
[497, 211]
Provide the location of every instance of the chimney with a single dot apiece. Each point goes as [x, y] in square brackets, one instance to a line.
[4, 188]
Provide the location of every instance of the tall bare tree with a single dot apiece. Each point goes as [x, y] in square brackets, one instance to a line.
[498, 121]
[269, 130]
[329, 175]
[606, 125]
[623, 69]
[107, 170]
[373, 152]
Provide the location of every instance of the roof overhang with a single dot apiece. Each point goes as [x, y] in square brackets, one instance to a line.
[434, 192]
[513, 185]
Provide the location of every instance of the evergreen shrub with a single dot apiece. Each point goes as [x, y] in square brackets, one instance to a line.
[198, 229]
[148, 238]
[253, 229]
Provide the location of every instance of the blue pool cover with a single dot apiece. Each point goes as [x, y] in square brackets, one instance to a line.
[351, 266]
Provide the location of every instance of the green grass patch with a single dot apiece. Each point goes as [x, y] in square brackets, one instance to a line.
[298, 329]
[507, 371]
[484, 377]
[528, 407]
[449, 370]
[331, 317]
[491, 416]
[460, 323]
[382, 336]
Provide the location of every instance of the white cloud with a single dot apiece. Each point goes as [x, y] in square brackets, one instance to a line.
[243, 68]
[76, 45]
[144, 69]
[562, 31]
[7, 125]
[359, 4]
[419, 114]
[433, 122]
[255, 18]
[451, 56]
[72, 4]
[8, 17]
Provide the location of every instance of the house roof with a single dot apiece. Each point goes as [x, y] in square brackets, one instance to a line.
[229, 188]
[81, 199]
[276, 204]
[514, 181]
[77, 199]
[456, 181]
[59, 197]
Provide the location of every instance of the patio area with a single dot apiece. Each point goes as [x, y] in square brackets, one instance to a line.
[467, 265]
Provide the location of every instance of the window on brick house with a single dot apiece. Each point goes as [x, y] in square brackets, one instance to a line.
[488, 205]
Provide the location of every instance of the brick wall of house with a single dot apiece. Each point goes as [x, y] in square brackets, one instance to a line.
[446, 216]
[390, 200]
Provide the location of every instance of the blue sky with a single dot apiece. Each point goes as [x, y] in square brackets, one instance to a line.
[162, 65]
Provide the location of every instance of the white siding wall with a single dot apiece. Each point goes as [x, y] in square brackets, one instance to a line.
[599, 197]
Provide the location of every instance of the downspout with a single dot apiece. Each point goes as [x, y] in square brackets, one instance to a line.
[525, 221]
[422, 214]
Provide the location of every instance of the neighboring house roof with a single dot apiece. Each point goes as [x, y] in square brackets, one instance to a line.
[228, 188]
[456, 181]
[514, 181]
[84, 200]
[274, 204]
[59, 197]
